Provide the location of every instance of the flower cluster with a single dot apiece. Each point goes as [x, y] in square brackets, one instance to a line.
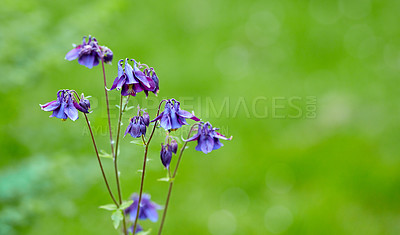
[166, 152]
[132, 80]
[173, 117]
[133, 77]
[148, 209]
[137, 125]
[207, 138]
[66, 106]
[89, 53]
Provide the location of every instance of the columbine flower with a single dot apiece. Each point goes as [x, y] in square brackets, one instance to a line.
[89, 53]
[138, 124]
[173, 117]
[207, 138]
[132, 80]
[148, 209]
[65, 106]
[166, 152]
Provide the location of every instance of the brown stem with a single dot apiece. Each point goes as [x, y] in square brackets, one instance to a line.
[144, 168]
[108, 108]
[172, 181]
[100, 164]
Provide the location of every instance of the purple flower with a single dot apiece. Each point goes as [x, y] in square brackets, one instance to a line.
[166, 152]
[89, 53]
[65, 106]
[132, 80]
[173, 117]
[138, 124]
[207, 138]
[148, 209]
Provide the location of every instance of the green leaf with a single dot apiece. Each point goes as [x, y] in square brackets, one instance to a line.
[104, 154]
[109, 207]
[129, 108]
[138, 142]
[117, 106]
[144, 232]
[166, 179]
[125, 204]
[116, 217]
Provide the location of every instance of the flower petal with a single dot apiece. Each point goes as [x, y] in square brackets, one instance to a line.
[86, 60]
[50, 106]
[73, 54]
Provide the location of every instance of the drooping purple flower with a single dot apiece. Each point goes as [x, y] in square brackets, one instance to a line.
[148, 209]
[132, 80]
[89, 53]
[138, 124]
[173, 117]
[65, 106]
[208, 138]
[166, 152]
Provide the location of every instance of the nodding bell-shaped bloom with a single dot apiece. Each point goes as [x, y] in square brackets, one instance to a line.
[89, 53]
[208, 138]
[148, 209]
[132, 80]
[138, 124]
[173, 117]
[166, 152]
[65, 106]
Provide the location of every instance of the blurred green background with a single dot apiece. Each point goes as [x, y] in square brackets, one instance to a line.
[308, 89]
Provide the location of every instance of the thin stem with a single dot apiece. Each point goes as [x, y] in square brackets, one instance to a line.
[171, 184]
[121, 111]
[116, 153]
[144, 168]
[108, 108]
[100, 164]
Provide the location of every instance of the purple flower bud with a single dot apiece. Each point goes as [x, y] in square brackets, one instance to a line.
[174, 146]
[107, 54]
[138, 124]
[83, 105]
[166, 155]
[208, 138]
[146, 118]
[63, 107]
[173, 117]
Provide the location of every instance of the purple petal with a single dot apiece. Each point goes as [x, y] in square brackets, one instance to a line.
[59, 113]
[120, 69]
[128, 129]
[86, 60]
[129, 73]
[140, 76]
[207, 144]
[151, 214]
[217, 144]
[50, 106]
[73, 54]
